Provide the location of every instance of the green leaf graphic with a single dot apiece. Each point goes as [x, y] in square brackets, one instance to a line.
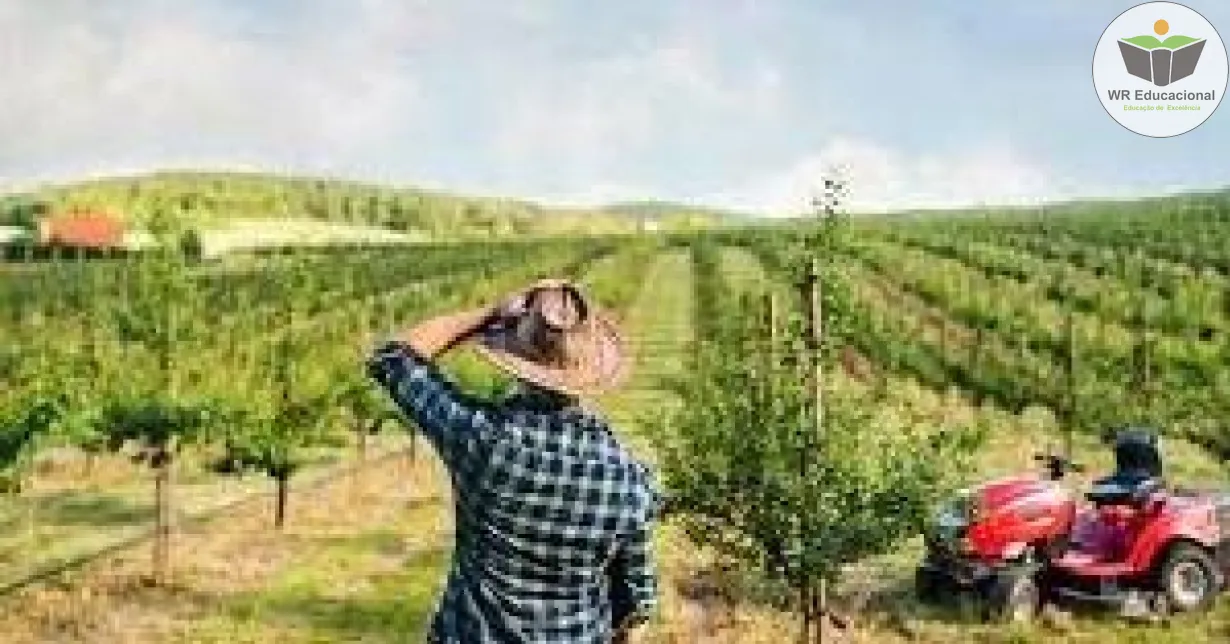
[1151, 42]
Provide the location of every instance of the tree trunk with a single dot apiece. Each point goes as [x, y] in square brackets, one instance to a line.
[162, 518]
[31, 510]
[279, 511]
[820, 610]
[819, 606]
[1070, 411]
[356, 474]
[805, 608]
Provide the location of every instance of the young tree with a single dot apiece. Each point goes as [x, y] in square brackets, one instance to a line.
[275, 431]
[25, 416]
[151, 410]
[771, 464]
[289, 411]
[366, 410]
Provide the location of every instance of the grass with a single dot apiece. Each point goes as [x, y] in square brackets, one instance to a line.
[658, 325]
[346, 590]
[70, 512]
[360, 560]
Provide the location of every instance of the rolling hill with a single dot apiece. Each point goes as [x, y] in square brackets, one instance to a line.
[221, 200]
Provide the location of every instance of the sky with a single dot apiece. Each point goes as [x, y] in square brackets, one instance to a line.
[731, 103]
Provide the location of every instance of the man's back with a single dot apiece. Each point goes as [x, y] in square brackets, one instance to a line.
[550, 511]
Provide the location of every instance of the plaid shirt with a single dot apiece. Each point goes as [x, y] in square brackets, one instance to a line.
[553, 517]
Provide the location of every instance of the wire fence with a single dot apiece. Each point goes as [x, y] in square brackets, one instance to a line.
[306, 486]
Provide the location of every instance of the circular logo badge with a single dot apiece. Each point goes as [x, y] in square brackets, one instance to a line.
[1160, 69]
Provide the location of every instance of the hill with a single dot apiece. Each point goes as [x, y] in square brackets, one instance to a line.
[667, 210]
[218, 200]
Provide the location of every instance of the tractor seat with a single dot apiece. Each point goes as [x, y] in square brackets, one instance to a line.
[1123, 490]
[1138, 470]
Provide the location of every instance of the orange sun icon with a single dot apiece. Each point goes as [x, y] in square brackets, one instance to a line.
[1161, 27]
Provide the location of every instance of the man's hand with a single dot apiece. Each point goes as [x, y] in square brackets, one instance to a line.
[629, 634]
[631, 630]
[517, 304]
[433, 337]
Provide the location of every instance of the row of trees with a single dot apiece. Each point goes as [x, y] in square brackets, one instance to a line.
[260, 368]
[1117, 286]
[1022, 340]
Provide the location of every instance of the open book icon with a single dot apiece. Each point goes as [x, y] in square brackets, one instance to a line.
[1161, 62]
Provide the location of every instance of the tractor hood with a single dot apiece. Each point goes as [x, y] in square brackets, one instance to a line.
[1010, 492]
[975, 503]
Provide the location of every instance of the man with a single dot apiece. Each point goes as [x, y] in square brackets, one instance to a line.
[554, 518]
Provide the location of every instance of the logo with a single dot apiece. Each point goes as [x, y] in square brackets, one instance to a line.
[1160, 45]
[1161, 62]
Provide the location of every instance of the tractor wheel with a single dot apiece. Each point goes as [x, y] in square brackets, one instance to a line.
[930, 585]
[1012, 595]
[1188, 579]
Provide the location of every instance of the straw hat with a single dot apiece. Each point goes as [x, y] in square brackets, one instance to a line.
[551, 335]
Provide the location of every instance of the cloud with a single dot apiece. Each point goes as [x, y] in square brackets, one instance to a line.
[592, 116]
[151, 86]
[559, 101]
[883, 178]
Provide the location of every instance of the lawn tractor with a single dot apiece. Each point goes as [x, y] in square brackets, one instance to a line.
[1132, 544]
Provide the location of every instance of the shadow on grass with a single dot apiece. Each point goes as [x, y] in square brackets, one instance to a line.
[394, 607]
[899, 609]
[78, 510]
[73, 509]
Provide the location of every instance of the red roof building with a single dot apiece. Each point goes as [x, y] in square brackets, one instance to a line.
[82, 230]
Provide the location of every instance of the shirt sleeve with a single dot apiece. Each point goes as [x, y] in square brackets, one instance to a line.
[634, 578]
[449, 419]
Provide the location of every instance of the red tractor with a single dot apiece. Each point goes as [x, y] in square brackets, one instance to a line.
[1021, 541]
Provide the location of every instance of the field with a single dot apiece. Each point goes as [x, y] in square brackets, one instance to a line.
[158, 380]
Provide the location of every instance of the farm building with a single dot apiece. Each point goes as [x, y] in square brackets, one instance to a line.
[9, 234]
[81, 230]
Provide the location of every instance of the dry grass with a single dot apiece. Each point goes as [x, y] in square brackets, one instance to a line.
[237, 578]
[75, 506]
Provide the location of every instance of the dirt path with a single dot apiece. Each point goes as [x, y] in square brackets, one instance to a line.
[658, 327]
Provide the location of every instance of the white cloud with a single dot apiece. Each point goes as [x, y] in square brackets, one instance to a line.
[150, 86]
[532, 98]
[590, 116]
[884, 179]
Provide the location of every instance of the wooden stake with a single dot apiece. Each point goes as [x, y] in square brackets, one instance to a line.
[162, 516]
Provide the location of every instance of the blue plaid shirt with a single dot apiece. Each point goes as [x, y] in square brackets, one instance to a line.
[553, 517]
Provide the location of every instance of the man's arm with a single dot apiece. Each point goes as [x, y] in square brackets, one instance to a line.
[404, 367]
[634, 576]
[433, 337]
